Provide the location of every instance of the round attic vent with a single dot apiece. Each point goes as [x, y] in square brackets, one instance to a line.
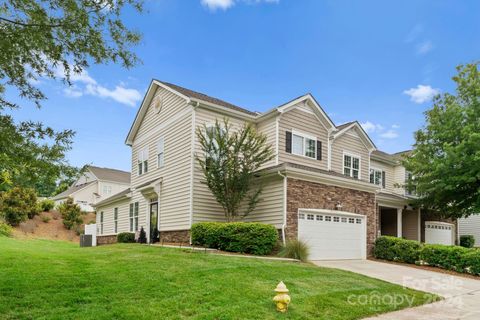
[158, 103]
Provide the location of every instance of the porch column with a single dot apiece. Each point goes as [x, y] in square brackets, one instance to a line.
[399, 222]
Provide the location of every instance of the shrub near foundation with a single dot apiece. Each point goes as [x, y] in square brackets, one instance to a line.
[460, 259]
[126, 237]
[244, 237]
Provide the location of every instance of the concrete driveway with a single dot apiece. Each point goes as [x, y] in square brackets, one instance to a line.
[462, 295]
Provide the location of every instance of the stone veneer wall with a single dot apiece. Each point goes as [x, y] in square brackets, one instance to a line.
[106, 239]
[310, 195]
[180, 236]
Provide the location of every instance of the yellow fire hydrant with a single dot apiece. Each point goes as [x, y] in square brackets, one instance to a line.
[282, 299]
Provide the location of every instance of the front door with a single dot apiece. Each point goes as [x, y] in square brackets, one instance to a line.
[154, 222]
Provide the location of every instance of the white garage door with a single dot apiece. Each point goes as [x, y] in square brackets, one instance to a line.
[333, 235]
[439, 233]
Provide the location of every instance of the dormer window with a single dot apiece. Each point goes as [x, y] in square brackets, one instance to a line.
[142, 162]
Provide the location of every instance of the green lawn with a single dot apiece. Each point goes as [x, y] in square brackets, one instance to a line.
[42, 279]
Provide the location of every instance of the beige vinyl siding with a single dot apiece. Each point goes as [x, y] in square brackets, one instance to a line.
[305, 122]
[389, 174]
[352, 144]
[205, 207]
[470, 226]
[399, 178]
[116, 188]
[268, 127]
[174, 124]
[108, 222]
[86, 194]
[410, 224]
[270, 208]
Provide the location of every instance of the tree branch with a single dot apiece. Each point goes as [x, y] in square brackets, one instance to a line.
[23, 24]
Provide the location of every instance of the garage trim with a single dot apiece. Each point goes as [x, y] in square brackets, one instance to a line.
[344, 214]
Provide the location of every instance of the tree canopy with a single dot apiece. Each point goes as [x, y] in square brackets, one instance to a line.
[445, 162]
[37, 36]
[230, 163]
[33, 156]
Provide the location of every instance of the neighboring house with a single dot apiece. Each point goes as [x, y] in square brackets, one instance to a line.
[328, 184]
[95, 184]
[470, 226]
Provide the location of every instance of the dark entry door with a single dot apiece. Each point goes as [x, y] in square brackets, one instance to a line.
[153, 222]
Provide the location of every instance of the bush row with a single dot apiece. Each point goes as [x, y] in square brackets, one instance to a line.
[254, 238]
[126, 237]
[460, 259]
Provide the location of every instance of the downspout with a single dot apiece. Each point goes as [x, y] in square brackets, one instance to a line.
[192, 169]
[284, 225]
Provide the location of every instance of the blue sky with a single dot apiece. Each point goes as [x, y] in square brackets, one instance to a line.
[378, 62]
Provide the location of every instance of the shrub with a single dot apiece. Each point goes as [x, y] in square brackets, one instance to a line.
[254, 238]
[295, 249]
[71, 213]
[46, 219]
[142, 238]
[47, 205]
[467, 241]
[5, 230]
[446, 257]
[126, 237]
[397, 249]
[18, 204]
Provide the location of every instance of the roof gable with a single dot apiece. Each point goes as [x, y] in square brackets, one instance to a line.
[354, 125]
[310, 100]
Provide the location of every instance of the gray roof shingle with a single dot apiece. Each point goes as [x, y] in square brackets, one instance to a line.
[108, 174]
[71, 190]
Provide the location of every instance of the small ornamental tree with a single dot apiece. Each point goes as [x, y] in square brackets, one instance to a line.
[230, 162]
[71, 213]
[17, 205]
[445, 162]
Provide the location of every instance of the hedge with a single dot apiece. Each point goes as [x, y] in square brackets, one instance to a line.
[253, 238]
[397, 249]
[126, 237]
[467, 241]
[460, 259]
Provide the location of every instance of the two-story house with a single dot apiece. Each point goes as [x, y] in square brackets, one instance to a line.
[327, 184]
[94, 185]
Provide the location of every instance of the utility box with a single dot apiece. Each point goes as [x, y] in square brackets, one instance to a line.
[86, 240]
[91, 229]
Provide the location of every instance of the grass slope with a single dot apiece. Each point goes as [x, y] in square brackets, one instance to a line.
[42, 279]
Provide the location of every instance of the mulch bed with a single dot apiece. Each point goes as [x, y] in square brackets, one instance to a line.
[429, 268]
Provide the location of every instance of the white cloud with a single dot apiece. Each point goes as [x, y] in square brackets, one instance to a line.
[421, 93]
[424, 47]
[390, 134]
[72, 92]
[227, 4]
[371, 127]
[84, 84]
[120, 94]
[414, 33]
[395, 126]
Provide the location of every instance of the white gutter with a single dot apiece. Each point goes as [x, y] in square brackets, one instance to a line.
[284, 205]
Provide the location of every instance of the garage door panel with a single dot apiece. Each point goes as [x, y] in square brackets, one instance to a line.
[333, 235]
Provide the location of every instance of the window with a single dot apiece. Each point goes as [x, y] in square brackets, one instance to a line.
[301, 216]
[160, 153]
[319, 217]
[336, 219]
[309, 216]
[101, 222]
[133, 217]
[351, 220]
[377, 177]
[115, 220]
[351, 166]
[344, 220]
[142, 162]
[107, 190]
[410, 189]
[359, 221]
[303, 145]
[328, 218]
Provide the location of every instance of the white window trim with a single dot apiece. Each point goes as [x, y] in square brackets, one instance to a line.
[115, 221]
[381, 177]
[162, 139]
[142, 156]
[308, 136]
[347, 153]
